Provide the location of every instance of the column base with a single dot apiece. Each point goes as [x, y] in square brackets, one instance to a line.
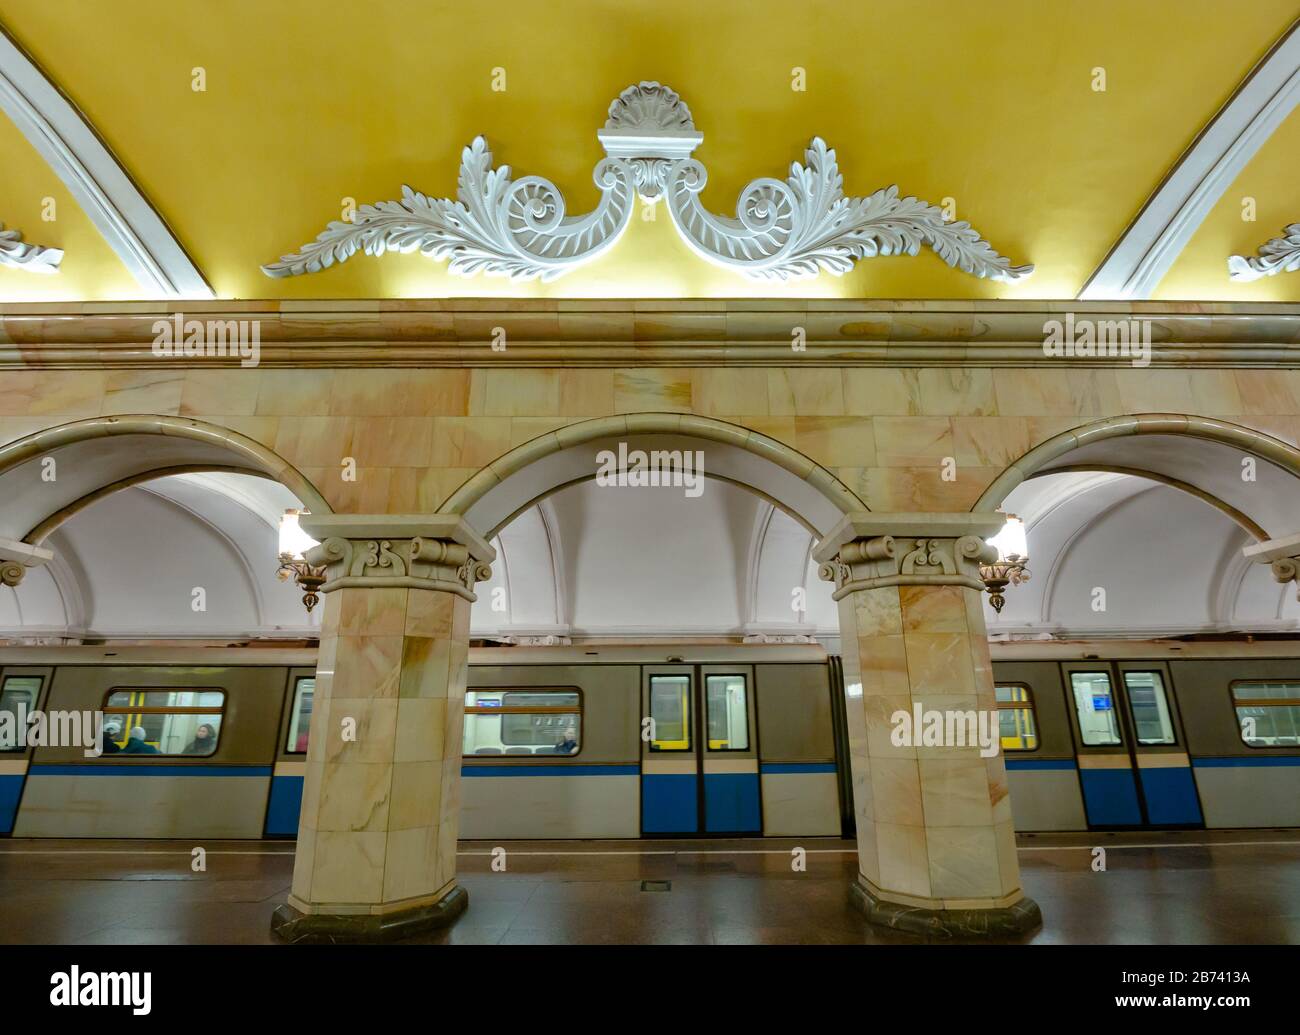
[1019, 918]
[299, 928]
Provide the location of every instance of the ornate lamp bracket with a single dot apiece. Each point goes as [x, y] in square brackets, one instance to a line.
[1282, 557]
[782, 229]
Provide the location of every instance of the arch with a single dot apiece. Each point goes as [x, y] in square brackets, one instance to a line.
[533, 470]
[93, 451]
[1157, 431]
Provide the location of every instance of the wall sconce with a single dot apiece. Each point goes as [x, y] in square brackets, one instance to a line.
[1011, 567]
[294, 544]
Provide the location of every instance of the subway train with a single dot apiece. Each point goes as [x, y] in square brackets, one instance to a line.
[628, 742]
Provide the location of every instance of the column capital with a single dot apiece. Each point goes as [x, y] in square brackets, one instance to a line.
[1281, 555]
[872, 551]
[438, 552]
[16, 557]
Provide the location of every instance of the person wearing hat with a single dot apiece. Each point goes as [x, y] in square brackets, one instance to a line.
[137, 746]
[112, 730]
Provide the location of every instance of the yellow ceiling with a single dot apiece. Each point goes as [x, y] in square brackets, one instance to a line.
[90, 269]
[312, 101]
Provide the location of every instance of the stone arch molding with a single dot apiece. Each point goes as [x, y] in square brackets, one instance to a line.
[95, 457]
[1157, 447]
[782, 229]
[530, 472]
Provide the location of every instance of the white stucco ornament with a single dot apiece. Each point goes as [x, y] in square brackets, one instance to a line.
[782, 229]
[1280, 255]
[33, 257]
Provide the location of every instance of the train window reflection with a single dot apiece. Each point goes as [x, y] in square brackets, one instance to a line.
[1017, 726]
[1268, 713]
[18, 692]
[1146, 699]
[523, 722]
[1095, 706]
[304, 693]
[727, 713]
[670, 713]
[163, 722]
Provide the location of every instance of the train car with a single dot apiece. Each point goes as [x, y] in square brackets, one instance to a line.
[735, 740]
[1119, 735]
[628, 742]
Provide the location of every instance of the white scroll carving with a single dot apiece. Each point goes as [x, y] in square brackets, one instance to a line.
[782, 229]
[1280, 255]
[31, 257]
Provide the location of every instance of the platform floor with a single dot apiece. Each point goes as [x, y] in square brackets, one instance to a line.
[1224, 887]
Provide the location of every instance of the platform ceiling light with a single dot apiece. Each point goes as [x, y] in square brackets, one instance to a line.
[294, 544]
[1011, 567]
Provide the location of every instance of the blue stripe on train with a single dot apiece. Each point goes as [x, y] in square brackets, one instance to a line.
[731, 803]
[668, 803]
[789, 768]
[1171, 796]
[11, 789]
[284, 806]
[95, 769]
[1013, 764]
[550, 770]
[1110, 797]
[1232, 761]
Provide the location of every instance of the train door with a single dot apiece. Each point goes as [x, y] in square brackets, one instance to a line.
[1133, 764]
[699, 754]
[22, 691]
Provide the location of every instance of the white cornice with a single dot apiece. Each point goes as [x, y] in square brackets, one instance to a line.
[101, 187]
[1173, 213]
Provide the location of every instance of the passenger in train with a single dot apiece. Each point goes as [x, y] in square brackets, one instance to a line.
[136, 745]
[112, 731]
[204, 742]
[569, 744]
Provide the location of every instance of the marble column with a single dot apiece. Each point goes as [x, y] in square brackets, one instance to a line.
[936, 848]
[376, 854]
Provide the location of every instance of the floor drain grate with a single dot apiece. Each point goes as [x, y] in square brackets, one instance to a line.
[656, 885]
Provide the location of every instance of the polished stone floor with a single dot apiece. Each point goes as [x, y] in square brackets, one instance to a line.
[1231, 887]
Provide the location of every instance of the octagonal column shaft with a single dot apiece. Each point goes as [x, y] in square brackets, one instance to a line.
[936, 847]
[376, 853]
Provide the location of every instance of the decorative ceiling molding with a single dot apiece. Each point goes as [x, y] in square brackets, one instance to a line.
[1141, 257]
[33, 257]
[65, 139]
[1280, 255]
[432, 333]
[782, 230]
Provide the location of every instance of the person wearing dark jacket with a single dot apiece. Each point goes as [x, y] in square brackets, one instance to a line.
[204, 742]
[137, 745]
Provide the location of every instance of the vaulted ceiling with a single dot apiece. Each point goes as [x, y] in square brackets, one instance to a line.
[308, 103]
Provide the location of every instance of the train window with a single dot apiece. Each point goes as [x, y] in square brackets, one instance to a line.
[542, 721]
[670, 713]
[1018, 727]
[18, 692]
[1095, 706]
[163, 722]
[727, 713]
[1146, 699]
[1268, 714]
[304, 691]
